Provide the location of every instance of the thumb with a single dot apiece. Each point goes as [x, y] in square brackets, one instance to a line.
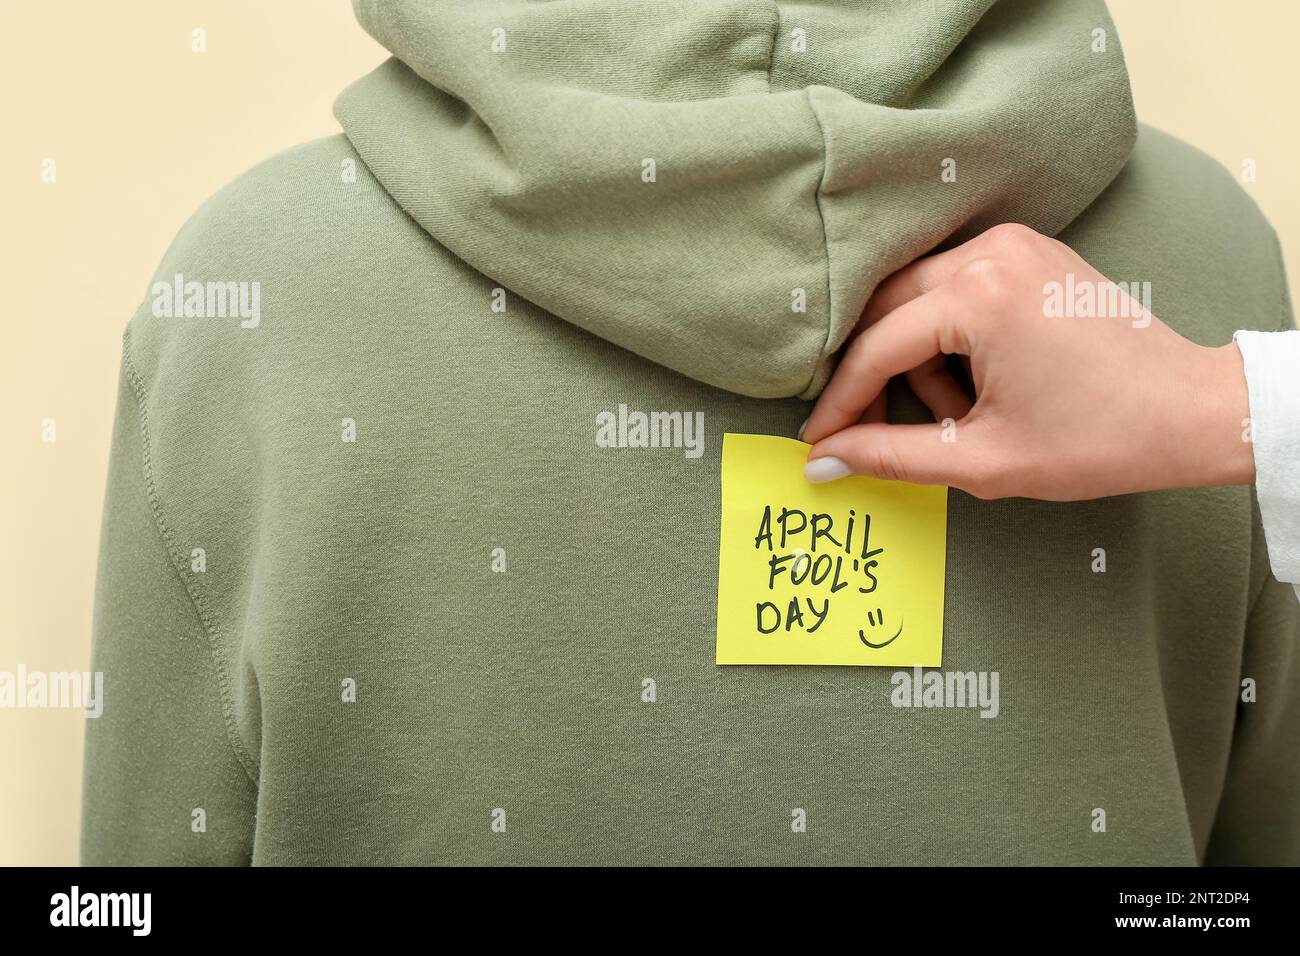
[923, 454]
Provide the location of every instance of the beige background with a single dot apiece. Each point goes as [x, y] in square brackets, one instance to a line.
[143, 130]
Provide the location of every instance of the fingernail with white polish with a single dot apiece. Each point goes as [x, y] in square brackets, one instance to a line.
[826, 469]
[801, 428]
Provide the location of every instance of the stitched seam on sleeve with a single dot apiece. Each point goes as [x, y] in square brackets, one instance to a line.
[825, 350]
[206, 618]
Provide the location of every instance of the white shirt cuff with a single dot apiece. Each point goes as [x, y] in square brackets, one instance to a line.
[1272, 365]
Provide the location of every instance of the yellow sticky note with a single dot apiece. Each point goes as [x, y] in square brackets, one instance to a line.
[847, 572]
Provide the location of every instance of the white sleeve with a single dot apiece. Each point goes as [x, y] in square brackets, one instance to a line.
[1272, 364]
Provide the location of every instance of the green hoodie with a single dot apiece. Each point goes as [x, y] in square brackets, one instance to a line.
[372, 589]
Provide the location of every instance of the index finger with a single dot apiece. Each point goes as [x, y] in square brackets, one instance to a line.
[908, 336]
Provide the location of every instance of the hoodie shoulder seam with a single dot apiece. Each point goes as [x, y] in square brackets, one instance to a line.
[204, 614]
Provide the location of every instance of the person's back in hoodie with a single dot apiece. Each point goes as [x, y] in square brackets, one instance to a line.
[373, 591]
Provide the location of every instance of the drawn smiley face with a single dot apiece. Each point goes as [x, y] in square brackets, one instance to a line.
[877, 622]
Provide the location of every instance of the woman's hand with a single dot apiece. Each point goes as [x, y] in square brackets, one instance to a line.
[1101, 400]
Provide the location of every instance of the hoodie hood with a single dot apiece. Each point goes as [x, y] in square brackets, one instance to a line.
[719, 185]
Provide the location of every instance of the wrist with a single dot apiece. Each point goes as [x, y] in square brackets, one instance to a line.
[1221, 448]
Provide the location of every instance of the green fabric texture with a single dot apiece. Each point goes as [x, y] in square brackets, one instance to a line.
[500, 588]
[795, 147]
